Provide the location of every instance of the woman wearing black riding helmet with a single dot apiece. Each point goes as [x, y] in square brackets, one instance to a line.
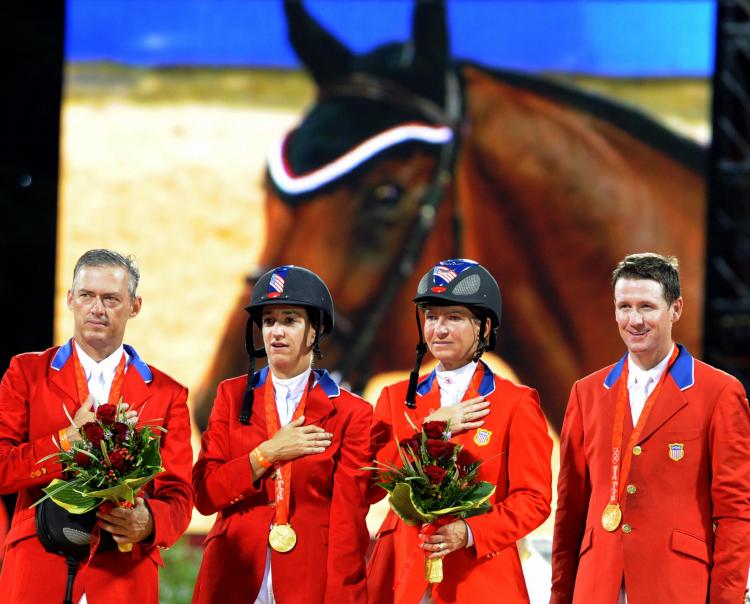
[281, 462]
[497, 422]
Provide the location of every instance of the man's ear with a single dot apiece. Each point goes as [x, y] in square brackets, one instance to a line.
[136, 306]
[677, 306]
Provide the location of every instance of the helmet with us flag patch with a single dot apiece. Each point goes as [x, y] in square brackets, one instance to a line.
[463, 282]
[457, 282]
[293, 286]
[286, 285]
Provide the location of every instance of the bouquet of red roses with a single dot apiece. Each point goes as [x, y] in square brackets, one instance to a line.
[435, 484]
[111, 463]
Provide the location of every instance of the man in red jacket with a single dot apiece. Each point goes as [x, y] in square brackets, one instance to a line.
[93, 367]
[654, 487]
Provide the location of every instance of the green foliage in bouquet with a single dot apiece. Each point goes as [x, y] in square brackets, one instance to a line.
[112, 462]
[436, 478]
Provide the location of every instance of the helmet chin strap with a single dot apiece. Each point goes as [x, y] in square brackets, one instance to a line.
[253, 353]
[317, 355]
[481, 346]
[411, 392]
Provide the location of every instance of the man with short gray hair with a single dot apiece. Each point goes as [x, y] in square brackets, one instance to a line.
[654, 487]
[94, 367]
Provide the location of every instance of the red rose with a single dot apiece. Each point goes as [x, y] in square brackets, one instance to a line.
[106, 413]
[435, 474]
[464, 460]
[82, 459]
[120, 431]
[437, 449]
[412, 442]
[93, 432]
[117, 459]
[434, 429]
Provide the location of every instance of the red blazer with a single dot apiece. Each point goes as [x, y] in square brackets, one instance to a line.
[672, 553]
[327, 508]
[32, 394]
[517, 460]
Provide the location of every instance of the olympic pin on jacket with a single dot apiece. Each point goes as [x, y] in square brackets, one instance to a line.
[33, 392]
[685, 530]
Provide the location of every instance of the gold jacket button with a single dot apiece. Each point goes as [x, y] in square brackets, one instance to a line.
[637, 450]
[626, 528]
[631, 488]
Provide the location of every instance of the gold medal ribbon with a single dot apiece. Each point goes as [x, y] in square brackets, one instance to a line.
[282, 537]
[612, 514]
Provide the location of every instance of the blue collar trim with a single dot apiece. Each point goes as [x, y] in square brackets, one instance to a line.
[260, 377]
[682, 372]
[321, 377]
[329, 386]
[139, 364]
[425, 385]
[486, 386]
[615, 372]
[62, 355]
[65, 351]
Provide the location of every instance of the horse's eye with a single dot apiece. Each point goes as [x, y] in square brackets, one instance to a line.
[386, 194]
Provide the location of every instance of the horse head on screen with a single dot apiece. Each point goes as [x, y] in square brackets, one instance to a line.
[408, 157]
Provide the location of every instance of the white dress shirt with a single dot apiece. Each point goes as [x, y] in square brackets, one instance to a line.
[100, 375]
[454, 384]
[641, 383]
[288, 396]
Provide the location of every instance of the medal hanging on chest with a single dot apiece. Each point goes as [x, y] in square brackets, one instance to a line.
[282, 537]
[612, 513]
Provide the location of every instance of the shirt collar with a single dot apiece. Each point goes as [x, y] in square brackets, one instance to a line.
[106, 366]
[457, 379]
[636, 375]
[294, 386]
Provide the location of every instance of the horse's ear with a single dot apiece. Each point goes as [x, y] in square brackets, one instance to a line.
[324, 56]
[430, 33]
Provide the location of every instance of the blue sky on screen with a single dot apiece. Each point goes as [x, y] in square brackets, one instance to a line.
[622, 38]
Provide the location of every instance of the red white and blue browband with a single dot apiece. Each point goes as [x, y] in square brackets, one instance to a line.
[293, 184]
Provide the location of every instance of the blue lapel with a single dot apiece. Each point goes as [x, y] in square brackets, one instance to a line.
[486, 386]
[682, 372]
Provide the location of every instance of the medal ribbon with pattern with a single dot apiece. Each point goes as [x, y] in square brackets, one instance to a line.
[282, 537]
[612, 514]
[82, 384]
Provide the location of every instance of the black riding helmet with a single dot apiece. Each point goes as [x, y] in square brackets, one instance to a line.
[457, 282]
[291, 286]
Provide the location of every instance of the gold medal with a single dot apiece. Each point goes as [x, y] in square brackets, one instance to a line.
[611, 517]
[282, 538]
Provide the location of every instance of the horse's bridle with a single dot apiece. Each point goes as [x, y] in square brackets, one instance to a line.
[366, 86]
[358, 343]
